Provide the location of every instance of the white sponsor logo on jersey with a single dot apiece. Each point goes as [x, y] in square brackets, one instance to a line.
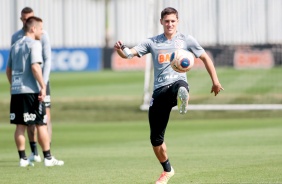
[16, 80]
[163, 44]
[165, 77]
[29, 117]
[16, 88]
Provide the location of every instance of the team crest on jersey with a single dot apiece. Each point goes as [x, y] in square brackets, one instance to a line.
[179, 44]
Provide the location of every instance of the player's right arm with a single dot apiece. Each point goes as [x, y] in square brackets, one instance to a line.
[9, 74]
[9, 69]
[117, 47]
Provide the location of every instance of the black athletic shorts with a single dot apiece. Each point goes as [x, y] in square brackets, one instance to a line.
[163, 99]
[25, 109]
[47, 99]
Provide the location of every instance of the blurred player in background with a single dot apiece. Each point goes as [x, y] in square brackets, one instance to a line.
[46, 54]
[28, 90]
[170, 87]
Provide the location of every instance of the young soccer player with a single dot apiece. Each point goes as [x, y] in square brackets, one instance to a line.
[170, 87]
[46, 54]
[28, 91]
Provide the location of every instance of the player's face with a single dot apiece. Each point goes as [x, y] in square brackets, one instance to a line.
[25, 16]
[38, 31]
[169, 23]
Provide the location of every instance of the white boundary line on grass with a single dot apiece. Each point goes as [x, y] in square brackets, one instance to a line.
[220, 107]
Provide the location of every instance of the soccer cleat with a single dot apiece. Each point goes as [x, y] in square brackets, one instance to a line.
[25, 163]
[165, 176]
[53, 162]
[34, 158]
[182, 100]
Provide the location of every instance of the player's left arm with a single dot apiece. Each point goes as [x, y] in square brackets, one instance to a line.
[216, 87]
[117, 47]
[134, 52]
[37, 73]
[36, 61]
[46, 53]
[9, 76]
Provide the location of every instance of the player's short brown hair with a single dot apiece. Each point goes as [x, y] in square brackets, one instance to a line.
[31, 21]
[27, 10]
[168, 11]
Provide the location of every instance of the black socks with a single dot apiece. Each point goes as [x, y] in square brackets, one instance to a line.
[166, 165]
[33, 147]
[22, 155]
[47, 154]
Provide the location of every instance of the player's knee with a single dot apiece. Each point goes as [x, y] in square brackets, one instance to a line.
[156, 141]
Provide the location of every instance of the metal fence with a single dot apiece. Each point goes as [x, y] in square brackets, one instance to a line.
[98, 23]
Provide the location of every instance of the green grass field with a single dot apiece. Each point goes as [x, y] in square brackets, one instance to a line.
[103, 137]
[201, 151]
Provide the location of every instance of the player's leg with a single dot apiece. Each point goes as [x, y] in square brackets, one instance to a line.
[44, 141]
[158, 122]
[17, 117]
[19, 137]
[159, 113]
[20, 143]
[47, 102]
[31, 133]
[158, 119]
[160, 152]
[43, 136]
[49, 123]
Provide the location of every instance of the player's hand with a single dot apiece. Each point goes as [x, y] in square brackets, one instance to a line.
[118, 45]
[216, 88]
[42, 95]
